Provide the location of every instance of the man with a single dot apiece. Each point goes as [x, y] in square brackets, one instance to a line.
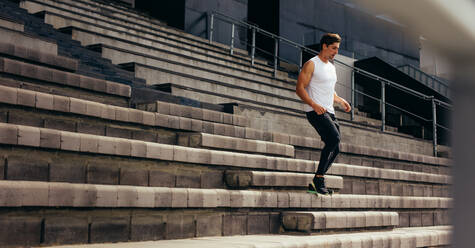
[316, 87]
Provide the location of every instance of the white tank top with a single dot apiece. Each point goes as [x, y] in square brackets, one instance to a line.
[321, 88]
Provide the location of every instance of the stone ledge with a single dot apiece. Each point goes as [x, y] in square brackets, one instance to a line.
[205, 140]
[236, 178]
[179, 110]
[64, 78]
[307, 221]
[31, 193]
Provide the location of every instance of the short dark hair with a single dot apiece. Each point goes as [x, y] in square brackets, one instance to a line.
[329, 39]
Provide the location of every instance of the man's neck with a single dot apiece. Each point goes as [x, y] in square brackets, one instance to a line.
[322, 58]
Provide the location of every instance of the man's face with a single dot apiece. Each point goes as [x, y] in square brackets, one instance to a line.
[331, 50]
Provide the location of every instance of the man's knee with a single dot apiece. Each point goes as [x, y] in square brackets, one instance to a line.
[334, 141]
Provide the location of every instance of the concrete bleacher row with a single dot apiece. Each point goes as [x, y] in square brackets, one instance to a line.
[11, 24]
[90, 64]
[244, 179]
[38, 56]
[54, 194]
[60, 77]
[154, 25]
[28, 41]
[83, 17]
[76, 10]
[402, 237]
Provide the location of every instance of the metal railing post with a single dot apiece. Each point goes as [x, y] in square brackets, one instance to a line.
[232, 40]
[276, 50]
[434, 126]
[300, 59]
[211, 24]
[353, 92]
[383, 106]
[352, 95]
[253, 48]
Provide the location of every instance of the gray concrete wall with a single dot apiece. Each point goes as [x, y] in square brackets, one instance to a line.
[304, 21]
[362, 33]
[196, 21]
[343, 85]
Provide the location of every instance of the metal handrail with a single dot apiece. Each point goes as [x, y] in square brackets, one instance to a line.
[427, 75]
[361, 71]
[384, 82]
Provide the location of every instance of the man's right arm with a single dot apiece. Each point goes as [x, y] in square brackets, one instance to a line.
[302, 82]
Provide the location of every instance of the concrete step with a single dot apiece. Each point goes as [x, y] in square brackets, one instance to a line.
[120, 10]
[195, 113]
[57, 226]
[39, 57]
[220, 142]
[400, 175]
[30, 193]
[248, 178]
[377, 186]
[326, 221]
[96, 15]
[28, 41]
[341, 183]
[434, 236]
[214, 92]
[35, 7]
[63, 78]
[11, 24]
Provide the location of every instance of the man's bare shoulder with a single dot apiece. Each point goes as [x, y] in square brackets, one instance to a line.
[308, 66]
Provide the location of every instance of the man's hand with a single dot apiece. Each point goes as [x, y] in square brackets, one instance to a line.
[346, 106]
[319, 109]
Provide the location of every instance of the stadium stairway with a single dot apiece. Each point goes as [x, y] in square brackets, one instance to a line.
[83, 160]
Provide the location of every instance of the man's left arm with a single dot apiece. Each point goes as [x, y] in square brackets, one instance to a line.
[346, 106]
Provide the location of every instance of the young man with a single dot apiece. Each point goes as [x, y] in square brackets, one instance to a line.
[316, 87]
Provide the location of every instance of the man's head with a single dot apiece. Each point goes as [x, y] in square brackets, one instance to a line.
[330, 43]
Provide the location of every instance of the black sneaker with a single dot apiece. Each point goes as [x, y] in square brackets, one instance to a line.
[311, 188]
[318, 186]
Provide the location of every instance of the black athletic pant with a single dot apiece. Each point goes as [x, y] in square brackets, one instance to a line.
[329, 130]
